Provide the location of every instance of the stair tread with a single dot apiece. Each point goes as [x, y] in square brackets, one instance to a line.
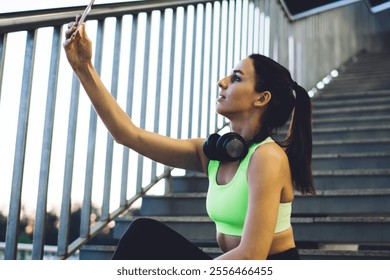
[357, 119]
[320, 130]
[351, 109]
[195, 219]
[342, 219]
[351, 141]
[350, 155]
[352, 128]
[349, 172]
[344, 252]
[351, 192]
[328, 95]
[181, 195]
[347, 102]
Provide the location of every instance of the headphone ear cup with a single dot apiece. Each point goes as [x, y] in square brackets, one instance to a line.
[209, 146]
[231, 147]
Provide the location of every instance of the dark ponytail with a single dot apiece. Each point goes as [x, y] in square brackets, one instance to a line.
[273, 77]
[299, 142]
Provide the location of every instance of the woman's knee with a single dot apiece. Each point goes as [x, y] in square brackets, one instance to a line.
[144, 223]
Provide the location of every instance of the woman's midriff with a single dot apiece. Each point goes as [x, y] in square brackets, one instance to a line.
[282, 241]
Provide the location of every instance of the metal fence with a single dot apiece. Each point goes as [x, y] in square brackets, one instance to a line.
[162, 61]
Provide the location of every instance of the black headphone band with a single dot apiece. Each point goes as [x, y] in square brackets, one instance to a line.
[230, 146]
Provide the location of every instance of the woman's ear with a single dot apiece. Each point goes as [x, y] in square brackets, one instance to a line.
[263, 98]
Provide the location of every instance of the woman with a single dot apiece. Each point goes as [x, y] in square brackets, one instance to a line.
[252, 177]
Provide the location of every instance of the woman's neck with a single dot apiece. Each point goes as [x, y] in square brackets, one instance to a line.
[247, 130]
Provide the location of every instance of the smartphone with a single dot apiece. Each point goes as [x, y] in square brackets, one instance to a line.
[85, 13]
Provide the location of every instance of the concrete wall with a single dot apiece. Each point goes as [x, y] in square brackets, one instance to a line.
[312, 46]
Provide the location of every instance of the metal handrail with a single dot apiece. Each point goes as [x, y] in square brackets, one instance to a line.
[28, 20]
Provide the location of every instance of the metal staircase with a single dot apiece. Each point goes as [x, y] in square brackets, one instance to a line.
[350, 216]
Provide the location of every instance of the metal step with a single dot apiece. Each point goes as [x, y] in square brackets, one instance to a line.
[175, 204]
[334, 122]
[318, 254]
[351, 145]
[350, 103]
[343, 202]
[352, 179]
[369, 110]
[355, 230]
[357, 132]
[96, 252]
[190, 184]
[348, 95]
[370, 160]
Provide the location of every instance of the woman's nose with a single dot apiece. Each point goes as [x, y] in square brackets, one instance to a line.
[222, 84]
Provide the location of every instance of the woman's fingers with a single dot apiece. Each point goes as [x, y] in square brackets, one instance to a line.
[70, 31]
[72, 26]
[72, 23]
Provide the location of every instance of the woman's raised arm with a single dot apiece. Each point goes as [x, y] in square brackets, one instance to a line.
[186, 154]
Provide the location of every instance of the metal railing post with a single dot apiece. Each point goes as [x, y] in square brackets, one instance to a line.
[168, 182]
[86, 209]
[3, 43]
[144, 98]
[20, 148]
[110, 141]
[41, 210]
[63, 233]
[158, 86]
[129, 106]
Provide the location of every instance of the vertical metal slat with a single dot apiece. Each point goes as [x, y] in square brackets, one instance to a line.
[3, 43]
[233, 32]
[63, 234]
[168, 185]
[201, 87]
[211, 83]
[219, 61]
[86, 209]
[229, 32]
[110, 141]
[145, 78]
[194, 43]
[158, 86]
[171, 73]
[20, 149]
[41, 211]
[239, 29]
[129, 106]
[183, 55]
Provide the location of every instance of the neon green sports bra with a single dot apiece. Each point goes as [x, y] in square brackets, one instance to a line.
[227, 204]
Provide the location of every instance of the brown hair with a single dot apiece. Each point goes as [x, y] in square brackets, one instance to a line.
[273, 77]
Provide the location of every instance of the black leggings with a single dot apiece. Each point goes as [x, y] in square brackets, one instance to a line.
[290, 254]
[147, 239]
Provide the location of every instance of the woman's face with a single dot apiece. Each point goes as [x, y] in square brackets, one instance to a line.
[237, 91]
